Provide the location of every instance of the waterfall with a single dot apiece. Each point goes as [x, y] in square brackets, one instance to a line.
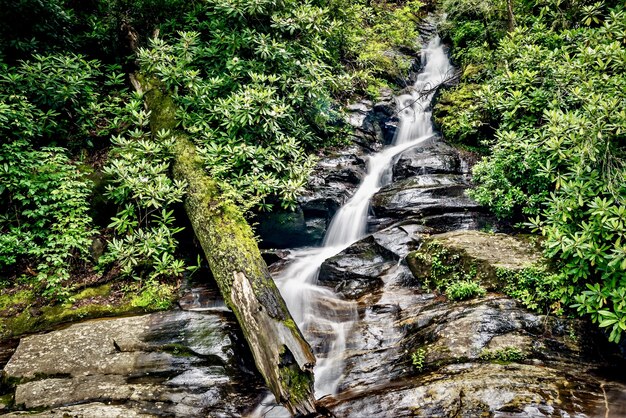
[324, 317]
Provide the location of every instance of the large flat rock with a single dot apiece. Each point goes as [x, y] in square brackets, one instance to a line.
[176, 363]
[424, 196]
[476, 253]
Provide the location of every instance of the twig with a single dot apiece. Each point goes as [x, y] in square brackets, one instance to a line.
[450, 77]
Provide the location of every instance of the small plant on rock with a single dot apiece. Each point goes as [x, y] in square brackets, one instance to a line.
[464, 289]
[417, 359]
[503, 355]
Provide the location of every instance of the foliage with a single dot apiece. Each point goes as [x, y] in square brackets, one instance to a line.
[450, 272]
[154, 295]
[536, 287]
[417, 359]
[104, 29]
[60, 99]
[503, 355]
[553, 92]
[253, 84]
[375, 33]
[256, 83]
[456, 116]
[465, 289]
[145, 229]
[45, 220]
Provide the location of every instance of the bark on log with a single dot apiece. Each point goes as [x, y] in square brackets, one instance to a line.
[281, 353]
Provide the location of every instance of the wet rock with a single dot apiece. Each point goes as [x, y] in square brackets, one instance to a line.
[357, 270]
[374, 125]
[480, 252]
[428, 198]
[90, 410]
[281, 229]
[331, 183]
[400, 239]
[434, 158]
[470, 390]
[470, 220]
[555, 375]
[177, 363]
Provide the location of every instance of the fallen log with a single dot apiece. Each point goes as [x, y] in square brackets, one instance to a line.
[281, 353]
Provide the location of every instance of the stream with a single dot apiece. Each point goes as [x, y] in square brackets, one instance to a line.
[325, 318]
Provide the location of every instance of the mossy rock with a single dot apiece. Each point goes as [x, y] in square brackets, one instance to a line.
[472, 255]
[92, 302]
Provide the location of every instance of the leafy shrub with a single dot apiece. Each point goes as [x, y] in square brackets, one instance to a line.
[61, 99]
[554, 95]
[536, 287]
[254, 96]
[45, 218]
[464, 289]
[145, 243]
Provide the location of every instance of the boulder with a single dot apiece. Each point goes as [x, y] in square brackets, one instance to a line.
[482, 253]
[176, 363]
[435, 158]
[356, 270]
[422, 356]
[435, 200]
[359, 269]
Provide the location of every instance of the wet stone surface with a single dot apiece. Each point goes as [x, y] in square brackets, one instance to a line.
[176, 363]
[434, 158]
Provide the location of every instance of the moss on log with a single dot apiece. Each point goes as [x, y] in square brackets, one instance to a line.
[281, 353]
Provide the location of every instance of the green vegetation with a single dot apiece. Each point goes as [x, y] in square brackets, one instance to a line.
[543, 90]
[23, 312]
[465, 289]
[447, 271]
[87, 192]
[536, 287]
[417, 359]
[503, 355]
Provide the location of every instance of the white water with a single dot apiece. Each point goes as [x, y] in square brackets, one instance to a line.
[323, 316]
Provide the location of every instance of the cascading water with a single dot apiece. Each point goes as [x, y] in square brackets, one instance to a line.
[323, 316]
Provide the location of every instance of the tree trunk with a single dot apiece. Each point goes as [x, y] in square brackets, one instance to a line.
[281, 353]
[509, 4]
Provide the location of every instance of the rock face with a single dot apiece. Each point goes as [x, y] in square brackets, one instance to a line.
[334, 178]
[358, 270]
[435, 200]
[177, 363]
[434, 158]
[484, 253]
[414, 353]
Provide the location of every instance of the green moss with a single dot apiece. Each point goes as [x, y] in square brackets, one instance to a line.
[296, 383]
[154, 296]
[503, 355]
[91, 292]
[289, 323]
[31, 319]
[455, 117]
[21, 297]
[7, 400]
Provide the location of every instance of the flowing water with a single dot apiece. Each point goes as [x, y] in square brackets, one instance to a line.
[324, 317]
